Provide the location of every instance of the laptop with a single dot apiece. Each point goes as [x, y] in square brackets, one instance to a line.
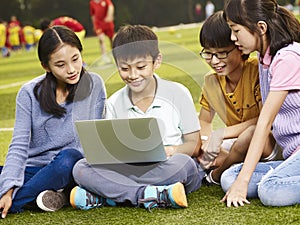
[117, 141]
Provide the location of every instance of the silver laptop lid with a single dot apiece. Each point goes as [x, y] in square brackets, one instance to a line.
[107, 141]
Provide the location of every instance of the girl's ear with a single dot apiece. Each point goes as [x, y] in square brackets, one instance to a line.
[262, 27]
[45, 67]
[158, 61]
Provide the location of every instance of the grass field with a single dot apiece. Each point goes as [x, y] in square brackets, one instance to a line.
[181, 63]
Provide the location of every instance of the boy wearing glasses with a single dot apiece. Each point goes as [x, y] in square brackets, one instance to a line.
[232, 92]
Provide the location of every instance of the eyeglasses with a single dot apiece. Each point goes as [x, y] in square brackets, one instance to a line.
[219, 55]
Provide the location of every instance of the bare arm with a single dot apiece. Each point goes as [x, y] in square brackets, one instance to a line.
[189, 146]
[236, 195]
[110, 14]
[205, 119]
[235, 130]
[93, 21]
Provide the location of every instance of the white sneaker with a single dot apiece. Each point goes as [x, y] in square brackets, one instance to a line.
[51, 201]
[209, 181]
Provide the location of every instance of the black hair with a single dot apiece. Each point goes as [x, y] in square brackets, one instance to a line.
[133, 41]
[44, 23]
[283, 27]
[45, 90]
[215, 32]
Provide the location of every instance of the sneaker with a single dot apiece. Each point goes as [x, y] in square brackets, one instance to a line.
[82, 199]
[208, 180]
[51, 201]
[172, 196]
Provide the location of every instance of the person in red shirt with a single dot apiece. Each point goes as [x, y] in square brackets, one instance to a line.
[102, 15]
[14, 32]
[69, 22]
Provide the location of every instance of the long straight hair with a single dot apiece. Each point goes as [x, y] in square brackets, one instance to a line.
[283, 26]
[45, 90]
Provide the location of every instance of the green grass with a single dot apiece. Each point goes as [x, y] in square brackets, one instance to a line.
[204, 208]
[181, 63]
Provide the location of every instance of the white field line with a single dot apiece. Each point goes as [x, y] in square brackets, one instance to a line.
[12, 85]
[6, 129]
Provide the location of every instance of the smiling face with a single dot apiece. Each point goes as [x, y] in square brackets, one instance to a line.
[227, 65]
[138, 73]
[65, 64]
[246, 41]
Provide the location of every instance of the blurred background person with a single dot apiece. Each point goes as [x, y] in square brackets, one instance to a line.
[28, 36]
[67, 21]
[102, 16]
[209, 9]
[37, 35]
[14, 33]
[198, 12]
[3, 34]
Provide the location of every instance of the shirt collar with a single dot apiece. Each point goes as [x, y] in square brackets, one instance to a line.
[156, 102]
[267, 59]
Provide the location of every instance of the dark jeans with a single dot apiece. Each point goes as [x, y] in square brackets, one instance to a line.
[56, 175]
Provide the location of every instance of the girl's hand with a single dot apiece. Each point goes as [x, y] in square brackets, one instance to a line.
[5, 203]
[236, 195]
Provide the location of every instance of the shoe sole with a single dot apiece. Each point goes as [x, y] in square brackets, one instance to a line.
[40, 204]
[72, 197]
[179, 196]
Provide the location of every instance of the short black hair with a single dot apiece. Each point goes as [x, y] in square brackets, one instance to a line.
[133, 41]
[215, 32]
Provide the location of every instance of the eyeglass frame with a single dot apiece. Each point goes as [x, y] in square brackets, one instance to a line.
[216, 54]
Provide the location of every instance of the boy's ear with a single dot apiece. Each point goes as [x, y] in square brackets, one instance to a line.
[262, 27]
[158, 61]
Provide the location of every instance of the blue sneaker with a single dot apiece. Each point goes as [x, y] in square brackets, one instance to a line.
[171, 196]
[82, 199]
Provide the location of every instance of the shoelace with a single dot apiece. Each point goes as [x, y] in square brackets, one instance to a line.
[162, 200]
[93, 200]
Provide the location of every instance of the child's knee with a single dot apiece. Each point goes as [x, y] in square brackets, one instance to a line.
[267, 195]
[78, 169]
[69, 157]
[241, 145]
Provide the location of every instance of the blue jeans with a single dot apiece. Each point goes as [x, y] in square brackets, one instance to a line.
[276, 183]
[54, 176]
[122, 183]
